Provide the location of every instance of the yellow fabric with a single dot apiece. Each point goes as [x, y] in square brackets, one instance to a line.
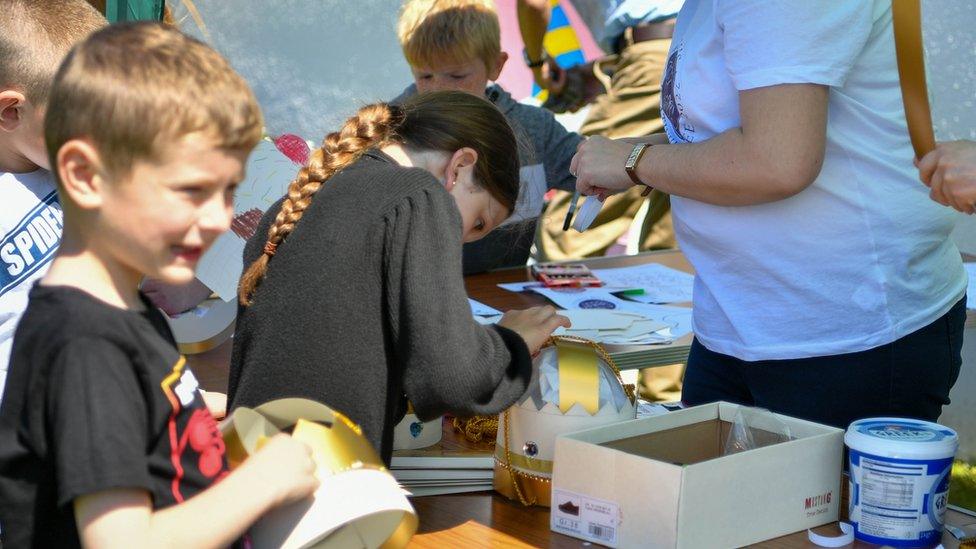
[560, 41]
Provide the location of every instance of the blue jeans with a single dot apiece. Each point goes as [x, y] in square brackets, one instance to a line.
[910, 377]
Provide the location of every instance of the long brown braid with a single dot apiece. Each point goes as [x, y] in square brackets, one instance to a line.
[441, 121]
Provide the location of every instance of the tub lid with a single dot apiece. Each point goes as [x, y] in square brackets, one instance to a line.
[900, 437]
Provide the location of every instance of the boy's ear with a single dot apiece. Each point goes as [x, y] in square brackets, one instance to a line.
[11, 103]
[463, 159]
[79, 169]
[496, 71]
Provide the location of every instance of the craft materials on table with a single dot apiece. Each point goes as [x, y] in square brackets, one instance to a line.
[610, 327]
[562, 275]
[660, 284]
[678, 319]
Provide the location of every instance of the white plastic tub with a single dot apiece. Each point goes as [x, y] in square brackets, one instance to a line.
[899, 471]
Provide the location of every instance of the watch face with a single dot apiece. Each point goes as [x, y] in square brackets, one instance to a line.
[632, 159]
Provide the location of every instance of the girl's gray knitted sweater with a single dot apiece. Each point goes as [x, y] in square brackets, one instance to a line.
[363, 306]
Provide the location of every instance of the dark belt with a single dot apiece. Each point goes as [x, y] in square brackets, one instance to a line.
[660, 30]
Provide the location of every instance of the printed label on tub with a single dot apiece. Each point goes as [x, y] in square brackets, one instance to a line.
[584, 517]
[898, 499]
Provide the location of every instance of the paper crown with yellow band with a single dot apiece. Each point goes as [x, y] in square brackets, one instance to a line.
[358, 502]
[579, 387]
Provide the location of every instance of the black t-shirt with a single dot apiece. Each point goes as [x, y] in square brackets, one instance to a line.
[97, 397]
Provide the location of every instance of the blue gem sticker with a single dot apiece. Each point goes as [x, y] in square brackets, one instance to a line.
[416, 428]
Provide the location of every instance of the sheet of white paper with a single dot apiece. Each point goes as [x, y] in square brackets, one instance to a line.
[520, 286]
[660, 284]
[587, 213]
[480, 309]
[971, 289]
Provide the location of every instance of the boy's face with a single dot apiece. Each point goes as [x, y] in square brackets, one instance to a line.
[470, 76]
[33, 137]
[161, 217]
[23, 122]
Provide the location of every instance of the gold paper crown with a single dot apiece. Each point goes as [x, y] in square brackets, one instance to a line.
[338, 448]
[525, 473]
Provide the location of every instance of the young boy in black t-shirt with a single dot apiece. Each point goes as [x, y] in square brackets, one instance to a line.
[104, 437]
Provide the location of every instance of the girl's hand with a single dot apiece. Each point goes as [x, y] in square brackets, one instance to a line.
[535, 325]
[284, 468]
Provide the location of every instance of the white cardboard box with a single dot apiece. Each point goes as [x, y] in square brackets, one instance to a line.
[662, 481]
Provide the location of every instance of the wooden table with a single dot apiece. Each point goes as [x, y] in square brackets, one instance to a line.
[481, 520]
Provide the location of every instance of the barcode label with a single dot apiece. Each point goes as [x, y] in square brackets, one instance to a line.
[584, 517]
[601, 532]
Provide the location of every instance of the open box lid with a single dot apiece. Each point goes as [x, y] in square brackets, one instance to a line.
[695, 435]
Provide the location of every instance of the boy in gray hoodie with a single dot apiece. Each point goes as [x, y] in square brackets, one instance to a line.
[456, 45]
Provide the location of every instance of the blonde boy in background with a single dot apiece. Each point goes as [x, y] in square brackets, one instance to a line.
[34, 38]
[104, 437]
[456, 45]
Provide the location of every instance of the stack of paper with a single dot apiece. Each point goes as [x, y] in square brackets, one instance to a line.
[676, 319]
[435, 475]
[609, 327]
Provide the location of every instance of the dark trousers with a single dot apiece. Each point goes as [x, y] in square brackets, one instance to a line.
[910, 377]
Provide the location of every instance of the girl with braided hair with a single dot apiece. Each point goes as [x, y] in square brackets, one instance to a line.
[353, 294]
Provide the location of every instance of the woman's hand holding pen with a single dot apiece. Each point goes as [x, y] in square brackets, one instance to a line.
[535, 325]
[599, 166]
[599, 163]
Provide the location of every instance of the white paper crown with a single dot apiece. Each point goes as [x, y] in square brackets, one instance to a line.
[413, 434]
[358, 502]
[579, 388]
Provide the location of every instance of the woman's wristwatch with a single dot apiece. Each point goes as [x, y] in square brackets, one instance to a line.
[534, 64]
[631, 166]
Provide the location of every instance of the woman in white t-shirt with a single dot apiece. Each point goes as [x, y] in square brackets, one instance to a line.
[827, 286]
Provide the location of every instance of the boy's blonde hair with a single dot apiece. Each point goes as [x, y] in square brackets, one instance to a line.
[132, 87]
[35, 35]
[439, 31]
